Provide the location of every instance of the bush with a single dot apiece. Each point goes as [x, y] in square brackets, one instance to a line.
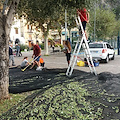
[22, 47]
[56, 45]
[42, 46]
[61, 46]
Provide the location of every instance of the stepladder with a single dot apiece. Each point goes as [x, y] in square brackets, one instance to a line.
[81, 43]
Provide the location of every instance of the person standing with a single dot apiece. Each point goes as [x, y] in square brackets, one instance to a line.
[11, 56]
[52, 46]
[36, 55]
[18, 50]
[68, 51]
[84, 16]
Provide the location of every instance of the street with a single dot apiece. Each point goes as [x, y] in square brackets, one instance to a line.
[58, 60]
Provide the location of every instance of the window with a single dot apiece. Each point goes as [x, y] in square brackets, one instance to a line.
[30, 37]
[16, 30]
[108, 46]
[28, 27]
[95, 45]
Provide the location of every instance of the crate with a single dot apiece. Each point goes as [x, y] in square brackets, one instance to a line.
[80, 63]
[96, 63]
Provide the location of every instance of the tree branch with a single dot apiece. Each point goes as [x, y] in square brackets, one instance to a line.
[11, 11]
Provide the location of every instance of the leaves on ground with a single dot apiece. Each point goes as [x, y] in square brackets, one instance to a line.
[58, 97]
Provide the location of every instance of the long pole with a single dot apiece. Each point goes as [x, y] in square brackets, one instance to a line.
[118, 42]
[65, 24]
[95, 21]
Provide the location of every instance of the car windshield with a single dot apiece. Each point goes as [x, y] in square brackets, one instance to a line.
[96, 45]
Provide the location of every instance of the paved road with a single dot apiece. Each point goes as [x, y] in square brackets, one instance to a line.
[58, 60]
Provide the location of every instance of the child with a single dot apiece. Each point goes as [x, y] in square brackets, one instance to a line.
[24, 62]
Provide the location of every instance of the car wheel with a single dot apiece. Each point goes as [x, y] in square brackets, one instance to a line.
[107, 59]
[113, 57]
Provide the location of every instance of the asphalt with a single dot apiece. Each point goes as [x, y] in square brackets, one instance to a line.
[58, 60]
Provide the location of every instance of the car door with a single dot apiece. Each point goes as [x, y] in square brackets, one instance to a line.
[110, 50]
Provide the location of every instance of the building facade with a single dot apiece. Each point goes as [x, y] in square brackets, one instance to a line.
[23, 33]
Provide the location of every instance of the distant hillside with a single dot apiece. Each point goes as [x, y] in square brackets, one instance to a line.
[112, 4]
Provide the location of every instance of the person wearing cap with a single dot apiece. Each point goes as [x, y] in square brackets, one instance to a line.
[36, 55]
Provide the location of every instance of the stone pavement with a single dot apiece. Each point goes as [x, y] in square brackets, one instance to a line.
[58, 60]
[54, 60]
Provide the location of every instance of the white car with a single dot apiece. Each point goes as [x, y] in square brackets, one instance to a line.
[102, 51]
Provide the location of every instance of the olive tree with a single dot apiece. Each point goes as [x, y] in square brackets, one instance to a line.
[39, 12]
[6, 17]
[49, 14]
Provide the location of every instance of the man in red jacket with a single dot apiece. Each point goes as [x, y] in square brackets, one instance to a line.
[36, 55]
[84, 16]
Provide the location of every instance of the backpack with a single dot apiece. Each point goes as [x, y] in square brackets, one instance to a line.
[42, 62]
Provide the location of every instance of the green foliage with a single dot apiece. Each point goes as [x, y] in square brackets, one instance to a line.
[105, 23]
[56, 45]
[50, 12]
[76, 3]
[8, 103]
[66, 101]
[61, 46]
[42, 46]
[22, 47]
[60, 97]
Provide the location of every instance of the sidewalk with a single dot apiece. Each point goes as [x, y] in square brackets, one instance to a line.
[58, 60]
[53, 60]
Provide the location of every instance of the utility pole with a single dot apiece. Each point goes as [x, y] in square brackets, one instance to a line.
[95, 21]
[65, 24]
[118, 43]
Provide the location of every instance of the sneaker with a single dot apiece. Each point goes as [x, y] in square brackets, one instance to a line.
[39, 68]
[13, 65]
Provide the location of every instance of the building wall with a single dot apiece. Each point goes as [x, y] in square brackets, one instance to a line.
[16, 32]
[24, 32]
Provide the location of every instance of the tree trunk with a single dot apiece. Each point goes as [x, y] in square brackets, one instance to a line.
[5, 24]
[45, 32]
[4, 60]
[46, 45]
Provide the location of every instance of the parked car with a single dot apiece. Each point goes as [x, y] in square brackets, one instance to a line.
[102, 51]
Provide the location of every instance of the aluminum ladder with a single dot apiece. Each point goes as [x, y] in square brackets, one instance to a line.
[81, 42]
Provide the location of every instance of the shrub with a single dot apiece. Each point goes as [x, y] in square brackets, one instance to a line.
[22, 47]
[56, 45]
[42, 46]
[61, 46]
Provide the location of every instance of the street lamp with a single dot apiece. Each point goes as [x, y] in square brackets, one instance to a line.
[65, 24]
[118, 43]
